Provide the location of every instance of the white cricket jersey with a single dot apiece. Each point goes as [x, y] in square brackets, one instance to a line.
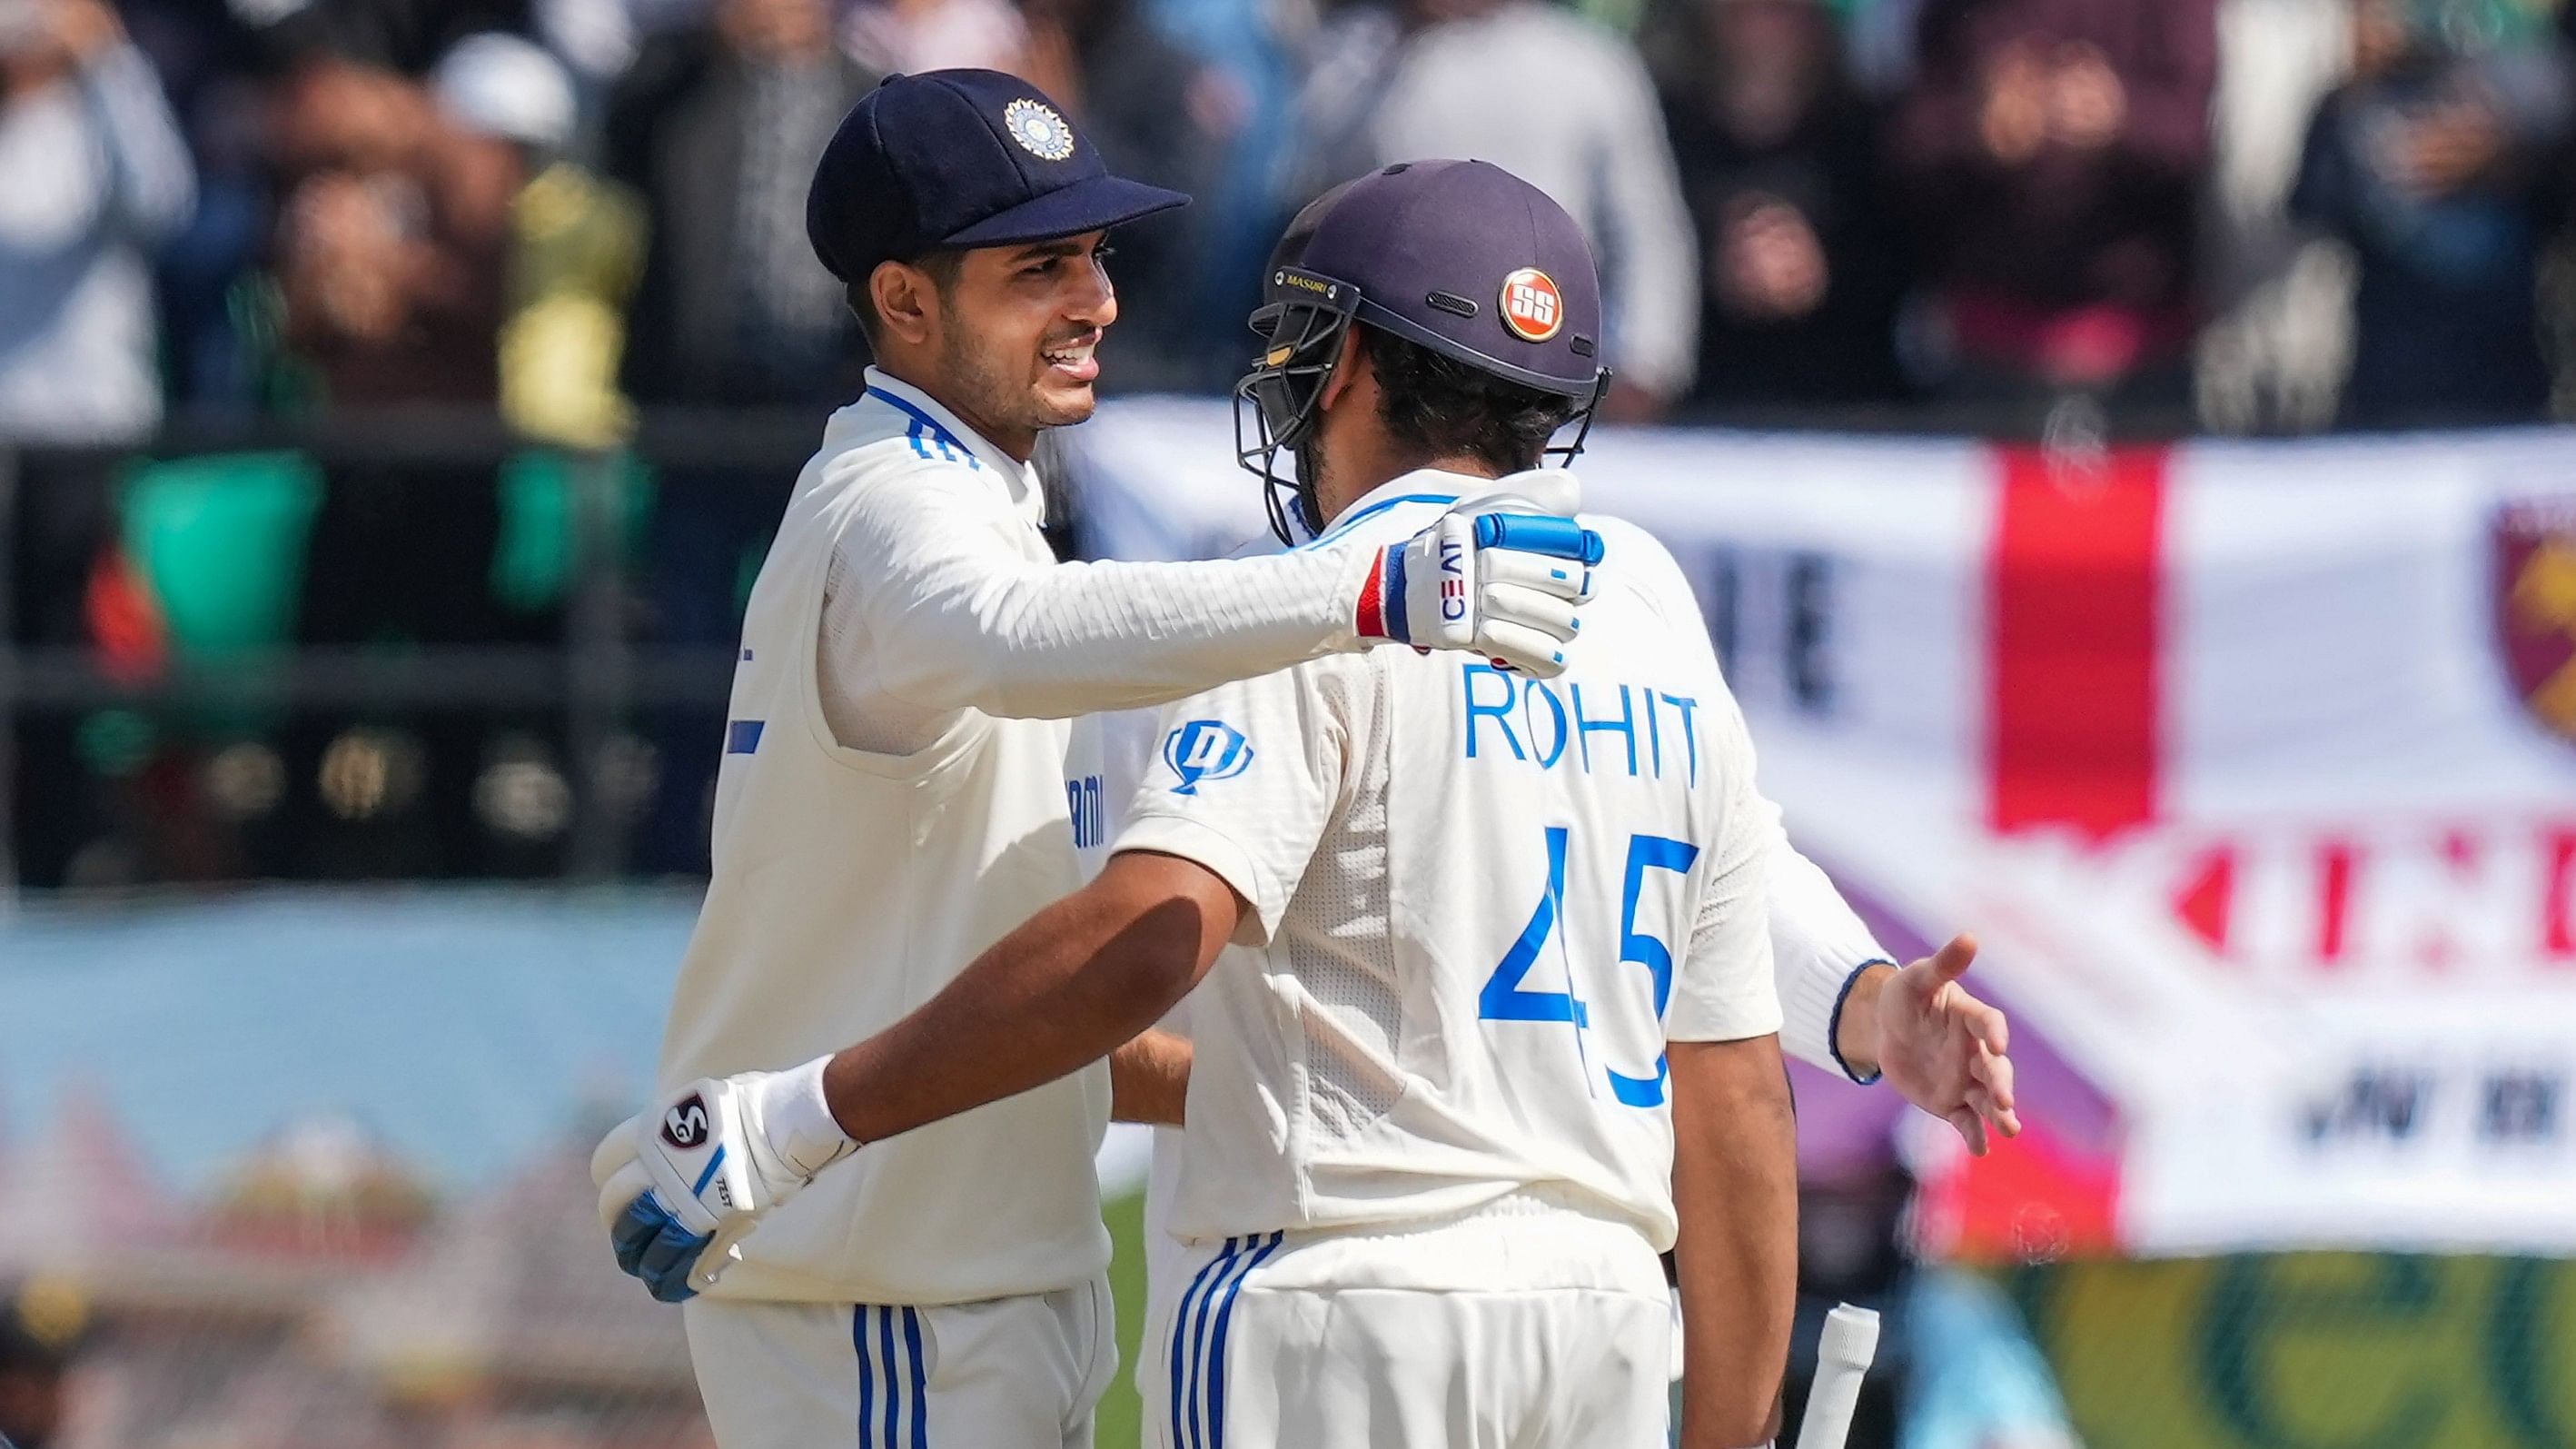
[849, 886]
[1480, 905]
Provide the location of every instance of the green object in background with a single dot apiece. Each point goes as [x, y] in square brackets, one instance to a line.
[1121, 1422]
[114, 743]
[532, 560]
[2480, 26]
[2311, 1350]
[221, 542]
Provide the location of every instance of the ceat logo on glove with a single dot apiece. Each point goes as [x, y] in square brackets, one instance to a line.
[685, 1125]
[1532, 307]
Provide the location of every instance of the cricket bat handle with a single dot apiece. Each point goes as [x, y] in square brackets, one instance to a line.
[1843, 1354]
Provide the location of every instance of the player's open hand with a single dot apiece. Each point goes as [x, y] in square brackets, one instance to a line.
[680, 1185]
[1945, 1050]
[1498, 575]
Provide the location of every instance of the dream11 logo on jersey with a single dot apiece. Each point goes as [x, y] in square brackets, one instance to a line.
[1205, 749]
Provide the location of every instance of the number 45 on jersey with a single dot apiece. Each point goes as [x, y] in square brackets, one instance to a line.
[1505, 998]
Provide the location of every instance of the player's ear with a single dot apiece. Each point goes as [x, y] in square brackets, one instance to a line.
[907, 300]
[1346, 372]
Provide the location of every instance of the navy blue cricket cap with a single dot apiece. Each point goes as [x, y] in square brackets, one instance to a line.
[953, 159]
[1461, 257]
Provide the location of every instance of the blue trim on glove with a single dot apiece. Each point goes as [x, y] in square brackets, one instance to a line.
[1391, 601]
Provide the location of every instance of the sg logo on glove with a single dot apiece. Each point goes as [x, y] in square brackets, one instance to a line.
[1205, 749]
[685, 1125]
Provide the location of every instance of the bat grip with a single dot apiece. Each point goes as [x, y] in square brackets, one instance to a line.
[1541, 533]
[1843, 1354]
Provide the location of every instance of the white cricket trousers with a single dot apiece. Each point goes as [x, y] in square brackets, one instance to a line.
[1523, 1325]
[1009, 1373]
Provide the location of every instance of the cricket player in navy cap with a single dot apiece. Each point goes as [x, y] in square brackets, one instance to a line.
[906, 776]
[1483, 960]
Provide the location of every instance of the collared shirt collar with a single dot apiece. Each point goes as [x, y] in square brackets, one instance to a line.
[937, 432]
[1423, 485]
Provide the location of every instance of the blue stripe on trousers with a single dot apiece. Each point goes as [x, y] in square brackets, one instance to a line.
[867, 1374]
[885, 1341]
[1234, 1249]
[1216, 1346]
[1180, 1331]
[920, 1386]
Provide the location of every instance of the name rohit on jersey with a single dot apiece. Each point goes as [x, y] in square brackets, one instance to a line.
[1640, 729]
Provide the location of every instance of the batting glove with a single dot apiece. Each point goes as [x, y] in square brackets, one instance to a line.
[1499, 574]
[681, 1185]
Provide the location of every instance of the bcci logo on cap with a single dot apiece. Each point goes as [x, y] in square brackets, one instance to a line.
[1205, 749]
[1532, 307]
[2535, 557]
[1039, 130]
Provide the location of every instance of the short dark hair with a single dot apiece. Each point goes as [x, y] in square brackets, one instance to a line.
[1447, 408]
[942, 267]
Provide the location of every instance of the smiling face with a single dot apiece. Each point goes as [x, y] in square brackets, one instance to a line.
[1007, 343]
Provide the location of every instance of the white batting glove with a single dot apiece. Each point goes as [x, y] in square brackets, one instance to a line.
[680, 1185]
[1499, 574]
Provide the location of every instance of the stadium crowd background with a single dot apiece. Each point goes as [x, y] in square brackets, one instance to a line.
[396, 397]
[355, 228]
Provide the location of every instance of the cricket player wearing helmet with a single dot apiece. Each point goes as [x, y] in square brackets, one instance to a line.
[906, 775]
[1483, 964]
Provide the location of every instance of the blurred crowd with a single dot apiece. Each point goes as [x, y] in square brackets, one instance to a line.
[576, 216]
[2275, 212]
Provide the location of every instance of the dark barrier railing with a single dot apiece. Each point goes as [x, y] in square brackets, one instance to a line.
[598, 670]
[593, 673]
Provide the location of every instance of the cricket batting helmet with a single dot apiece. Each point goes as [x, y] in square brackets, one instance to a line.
[1460, 257]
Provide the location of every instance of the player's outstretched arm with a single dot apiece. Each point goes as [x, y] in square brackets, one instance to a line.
[685, 1181]
[1849, 1010]
[957, 618]
[1936, 1043]
[1735, 1187]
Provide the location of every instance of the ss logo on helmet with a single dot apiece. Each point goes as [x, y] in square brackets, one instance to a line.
[685, 1125]
[1532, 307]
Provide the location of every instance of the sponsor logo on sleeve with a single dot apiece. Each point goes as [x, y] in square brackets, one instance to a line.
[1205, 750]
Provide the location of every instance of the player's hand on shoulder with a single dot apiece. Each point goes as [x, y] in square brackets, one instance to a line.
[682, 1183]
[1500, 574]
